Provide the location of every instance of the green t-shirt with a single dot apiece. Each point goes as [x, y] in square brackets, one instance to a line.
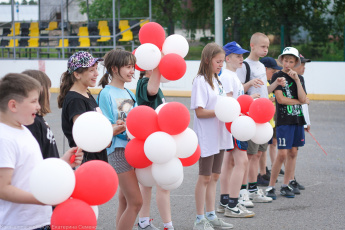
[144, 99]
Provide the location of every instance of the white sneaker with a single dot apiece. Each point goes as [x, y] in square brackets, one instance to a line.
[219, 223]
[221, 208]
[244, 199]
[204, 224]
[239, 211]
[259, 197]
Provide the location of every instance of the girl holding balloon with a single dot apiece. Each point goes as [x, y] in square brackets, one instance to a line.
[212, 135]
[75, 97]
[115, 102]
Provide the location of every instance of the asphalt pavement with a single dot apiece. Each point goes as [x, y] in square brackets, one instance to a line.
[320, 206]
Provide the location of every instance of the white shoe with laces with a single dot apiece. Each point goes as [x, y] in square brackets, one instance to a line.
[259, 197]
[244, 199]
[204, 224]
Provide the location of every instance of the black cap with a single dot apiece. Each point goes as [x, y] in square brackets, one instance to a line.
[303, 59]
[270, 62]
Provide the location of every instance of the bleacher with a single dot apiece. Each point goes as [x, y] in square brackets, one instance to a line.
[35, 40]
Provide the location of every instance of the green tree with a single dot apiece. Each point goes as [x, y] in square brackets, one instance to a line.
[24, 2]
[32, 2]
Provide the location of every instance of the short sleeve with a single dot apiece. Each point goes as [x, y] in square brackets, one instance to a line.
[227, 82]
[241, 73]
[75, 107]
[199, 93]
[105, 104]
[141, 92]
[7, 156]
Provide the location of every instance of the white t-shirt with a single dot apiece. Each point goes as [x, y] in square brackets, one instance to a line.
[257, 70]
[231, 83]
[20, 151]
[212, 133]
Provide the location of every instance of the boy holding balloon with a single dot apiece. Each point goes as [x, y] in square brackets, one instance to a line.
[20, 154]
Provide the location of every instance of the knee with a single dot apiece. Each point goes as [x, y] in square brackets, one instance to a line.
[281, 156]
[293, 153]
[215, 177]
[206, 180]
[136, 204]
[258, 155]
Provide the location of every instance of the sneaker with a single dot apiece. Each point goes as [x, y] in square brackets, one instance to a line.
[219, 223]
[271, 192]
[261, 181]
[244, 199]
[239, 211]
[294, 186]
[259, 197]
[266, 177]
[221, 208]
[148, 227]
[268, 172]
[204, 224]
[169, 228]
[281, 172]
[300, 187]
[287, 192]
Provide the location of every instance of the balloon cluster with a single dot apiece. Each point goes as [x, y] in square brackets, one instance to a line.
[161, 144]
[245, 118]
[172, 65]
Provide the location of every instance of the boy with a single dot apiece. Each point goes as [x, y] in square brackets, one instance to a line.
[20, 153]
[290, 120]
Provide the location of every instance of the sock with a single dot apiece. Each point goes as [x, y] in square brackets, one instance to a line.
[284, 185]
[168, 224]
[244, 186]
[224, 199]
[144, 221]
[211, 215]
[232, 202]
[252, 187]
[199, 217]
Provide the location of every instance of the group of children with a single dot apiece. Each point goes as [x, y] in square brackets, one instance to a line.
[24, 101]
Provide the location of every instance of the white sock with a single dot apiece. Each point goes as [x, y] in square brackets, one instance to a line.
[144, 221]
[169, 224]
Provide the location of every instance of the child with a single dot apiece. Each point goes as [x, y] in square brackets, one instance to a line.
[212, 135]
[290, 120]
[115, 102]
[148, 93]
[40, 128]
[20, 153]
[75, 97]
[236, 160]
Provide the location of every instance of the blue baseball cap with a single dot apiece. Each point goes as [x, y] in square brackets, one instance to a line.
[270, 62]
[234, 47]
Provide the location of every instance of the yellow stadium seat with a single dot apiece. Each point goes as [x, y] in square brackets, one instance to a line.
[102, 23]
[33, 43]
[84, 42]
[34, 32]
[83, 31]
[16, 29]
[127, 35]
[123, 24]
[11, 43]
[143, 22]
[103, 32]
[33, 25]
[65, 43]
[52, 26]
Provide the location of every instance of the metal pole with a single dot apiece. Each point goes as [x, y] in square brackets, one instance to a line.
[114, 30]
[344, 43]
[282, 42]
[13, 30]
[150, 10]
[62, 31]
[39, 10]
[67, 11]
[218, 19]
[87, 7]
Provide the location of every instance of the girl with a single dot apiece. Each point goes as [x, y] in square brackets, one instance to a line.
[235, 161]
[75, 97]
[148, 93]
[115, 102]
[212, 135]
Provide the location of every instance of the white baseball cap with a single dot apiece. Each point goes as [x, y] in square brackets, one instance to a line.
[290, 51]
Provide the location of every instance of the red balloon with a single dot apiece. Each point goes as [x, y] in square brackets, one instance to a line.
[96, 182]
[136, 66]
[262, 110]
[135, 154]
[192, 159]
[142, 121]
[228, 126]
[245, 102]
[173, 118]
[74, 213]
[153, 33]
[172, 66]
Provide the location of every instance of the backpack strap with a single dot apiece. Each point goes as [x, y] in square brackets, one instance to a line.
[248, 71]
[131, 96]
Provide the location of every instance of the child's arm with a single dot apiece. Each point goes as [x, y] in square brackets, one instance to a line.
[154, 82]
[204, 113]
[255, 82]
[279, 81]
[11, 193]
[302, 96]
[281, 99]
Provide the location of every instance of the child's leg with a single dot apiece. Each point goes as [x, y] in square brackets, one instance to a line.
[227, 168]
[238, 172]
[254, 167]
[290, 165]
[200, 193]
[163, 204]
[144, 213]
[273, 150]
[129, 186]
[245, 177]
[262, 163]
[277, 166]
[121, 208]
[211, 192]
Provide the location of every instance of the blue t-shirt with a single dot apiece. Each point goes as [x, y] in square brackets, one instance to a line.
[115, 104]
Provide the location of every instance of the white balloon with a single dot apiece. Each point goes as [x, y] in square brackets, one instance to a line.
[148, 56]
[160, 107]
[176, 44]
[174, 185]
[52, 181]
[160, 147]
[243, 128]
[129, 135]
[92, 132]
[145, 177]
[95, 209]
[168, 173]
[186, 143]
[263, 134]
[164, 80]
[227, 109]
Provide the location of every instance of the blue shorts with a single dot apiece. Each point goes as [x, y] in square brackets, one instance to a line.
[241, 145]
[289, 136]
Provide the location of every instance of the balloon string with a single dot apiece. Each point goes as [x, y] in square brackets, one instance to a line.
[317, 142]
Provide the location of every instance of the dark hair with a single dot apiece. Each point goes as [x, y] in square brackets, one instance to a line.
[115, 58]
[16, 86]
[66, 83]
[142, 74]
[205, 69]
[46, 84]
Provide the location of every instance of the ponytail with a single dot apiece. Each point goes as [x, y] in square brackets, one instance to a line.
[105, 80]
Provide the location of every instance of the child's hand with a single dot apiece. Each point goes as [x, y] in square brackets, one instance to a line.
[256, 83]
[307, 101]
[272, 99]
[73, 156]
[119, 127]
[281, 81]
[255, 95]
[293, 74]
